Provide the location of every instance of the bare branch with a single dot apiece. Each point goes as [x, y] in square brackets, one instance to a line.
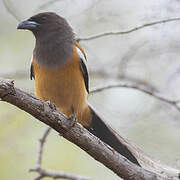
[10, 10]
[138, 87]
[42, 173]
[96, 36]
[47, 4]
[47, 113]
[42, 141]
[57, 175]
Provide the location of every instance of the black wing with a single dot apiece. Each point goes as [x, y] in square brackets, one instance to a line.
[32, 70]
[83, 68]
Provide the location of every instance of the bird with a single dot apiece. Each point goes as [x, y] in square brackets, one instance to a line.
[59, 69]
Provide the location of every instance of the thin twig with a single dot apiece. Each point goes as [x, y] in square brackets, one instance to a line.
[42, 141]
[6, 5]
[47, 4]
[42, 173]
[96, 36]
[92, 37]
[57, 175]
[139, 88]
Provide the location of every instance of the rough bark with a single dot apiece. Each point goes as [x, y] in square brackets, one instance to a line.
[74, 132]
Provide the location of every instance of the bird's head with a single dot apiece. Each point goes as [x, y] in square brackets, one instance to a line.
[54, 38]
[46, 23]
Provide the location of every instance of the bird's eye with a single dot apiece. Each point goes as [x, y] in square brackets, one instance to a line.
[30, 19]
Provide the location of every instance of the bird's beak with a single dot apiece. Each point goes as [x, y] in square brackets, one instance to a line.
[30, 25]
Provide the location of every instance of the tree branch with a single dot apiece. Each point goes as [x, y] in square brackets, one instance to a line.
[10, 11]
[47, 4]
[103, 34]
[138, 87]
[47, 113]
[42, 141]
[42, 173]
[57, 175]
[96, 36]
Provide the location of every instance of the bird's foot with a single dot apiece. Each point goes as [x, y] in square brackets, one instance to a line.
[72, 118]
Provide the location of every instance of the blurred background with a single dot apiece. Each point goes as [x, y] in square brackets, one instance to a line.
[149, 56]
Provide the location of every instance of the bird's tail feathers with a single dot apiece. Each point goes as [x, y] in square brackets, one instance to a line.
[104, 132]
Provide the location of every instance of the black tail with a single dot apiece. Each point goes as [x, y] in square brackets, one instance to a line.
[106, 134]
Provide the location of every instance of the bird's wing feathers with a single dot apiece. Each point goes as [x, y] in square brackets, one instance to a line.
[31, 69]
[83, 67]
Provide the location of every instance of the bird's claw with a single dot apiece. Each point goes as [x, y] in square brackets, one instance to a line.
[72, 118]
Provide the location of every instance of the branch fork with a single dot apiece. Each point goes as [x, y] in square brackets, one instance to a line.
[85, 140]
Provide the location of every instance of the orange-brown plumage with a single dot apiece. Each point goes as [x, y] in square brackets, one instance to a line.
[65, 87]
